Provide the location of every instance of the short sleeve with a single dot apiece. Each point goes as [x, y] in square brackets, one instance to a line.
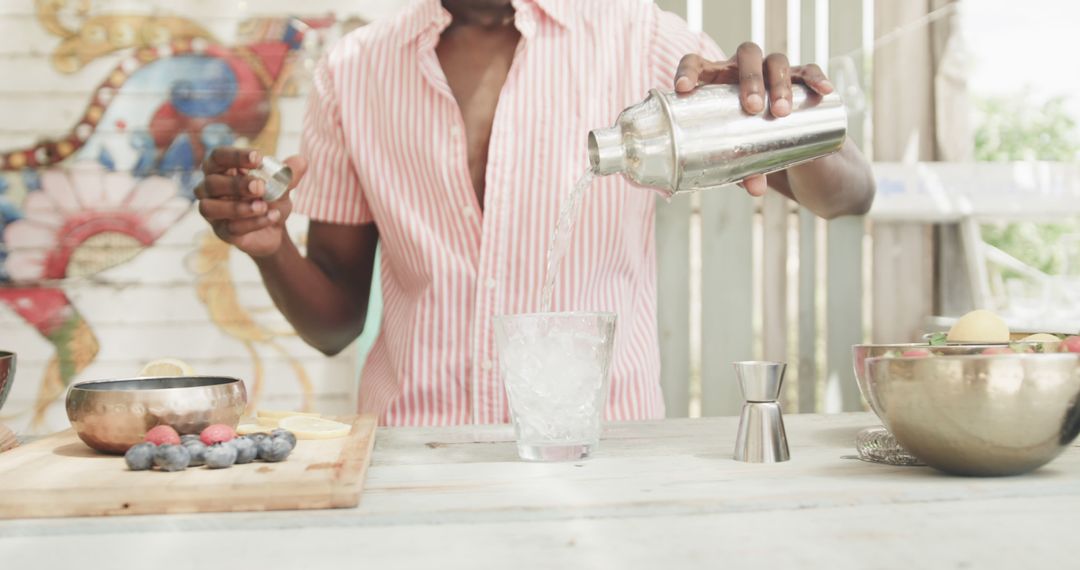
[330, 191]
[672, 38]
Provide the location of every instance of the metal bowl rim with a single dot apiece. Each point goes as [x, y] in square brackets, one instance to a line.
[949, 345]
[86, 385]
[977, 357]
[928, 336]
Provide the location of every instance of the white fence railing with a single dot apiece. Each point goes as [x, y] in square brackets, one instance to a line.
[964, 196]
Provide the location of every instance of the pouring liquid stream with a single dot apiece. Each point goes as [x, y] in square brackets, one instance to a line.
[569, 212]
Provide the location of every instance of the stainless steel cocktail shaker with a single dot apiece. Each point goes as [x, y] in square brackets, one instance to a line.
[681, 143]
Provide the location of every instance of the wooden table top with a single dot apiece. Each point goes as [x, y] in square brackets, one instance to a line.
[657, 495]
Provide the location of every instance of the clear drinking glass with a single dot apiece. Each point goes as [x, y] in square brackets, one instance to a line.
[555, 367]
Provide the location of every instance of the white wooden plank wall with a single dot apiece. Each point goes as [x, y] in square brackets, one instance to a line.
[149, 307]
[727, 220]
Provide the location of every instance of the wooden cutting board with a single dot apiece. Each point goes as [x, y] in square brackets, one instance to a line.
[59, 476]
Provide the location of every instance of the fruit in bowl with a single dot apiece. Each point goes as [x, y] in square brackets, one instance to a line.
[984, 327]
[977, 333]
[979, 326]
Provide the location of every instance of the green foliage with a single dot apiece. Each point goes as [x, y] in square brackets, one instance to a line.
[1036, 244]
[1019, 128]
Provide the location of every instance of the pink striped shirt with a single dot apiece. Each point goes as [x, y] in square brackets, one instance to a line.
[386, 144]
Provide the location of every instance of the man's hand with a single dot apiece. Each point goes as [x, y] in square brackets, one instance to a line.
[231, 200]
[759, 79]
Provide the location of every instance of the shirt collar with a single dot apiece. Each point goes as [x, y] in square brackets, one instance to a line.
[557, 10]
[425, 14]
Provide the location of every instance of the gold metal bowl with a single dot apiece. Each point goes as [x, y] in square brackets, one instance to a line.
[113, 415]
[7, 375]
[861, 352]
[984, 415]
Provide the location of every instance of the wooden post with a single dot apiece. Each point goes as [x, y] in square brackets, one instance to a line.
[775, 208]
[845, 235]
[673, 288]
[808, 223]
[908, 74]
[726, 261]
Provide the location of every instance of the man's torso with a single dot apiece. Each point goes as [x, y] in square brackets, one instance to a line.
[459, 247]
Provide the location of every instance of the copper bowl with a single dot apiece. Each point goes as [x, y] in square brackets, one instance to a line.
[113, 415]
[7, 375]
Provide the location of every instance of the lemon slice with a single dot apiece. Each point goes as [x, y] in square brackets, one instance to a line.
[248, 429]
[278, 414]
[306, 427]
[167, 367]
[267, 422]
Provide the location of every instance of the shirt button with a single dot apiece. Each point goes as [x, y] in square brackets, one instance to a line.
[486, 365]
[491, 283]
[455, 131]
[467, 211]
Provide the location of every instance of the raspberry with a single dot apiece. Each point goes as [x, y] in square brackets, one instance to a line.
[217, 433]
[162, 435]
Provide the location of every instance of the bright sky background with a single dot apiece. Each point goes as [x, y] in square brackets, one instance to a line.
[1000, 35]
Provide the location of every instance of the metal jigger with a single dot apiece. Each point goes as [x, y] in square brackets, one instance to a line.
[761, 436]
[276, 175]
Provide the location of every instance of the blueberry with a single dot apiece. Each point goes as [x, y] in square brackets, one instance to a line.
[184, 439]
[220, 456]
[140, 456]
[246, 449]
[172, 457]
[197, 449]
[274, 449]
[285, 434]
[257, 436]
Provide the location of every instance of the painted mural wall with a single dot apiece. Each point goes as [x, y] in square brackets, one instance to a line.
[106, 111]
